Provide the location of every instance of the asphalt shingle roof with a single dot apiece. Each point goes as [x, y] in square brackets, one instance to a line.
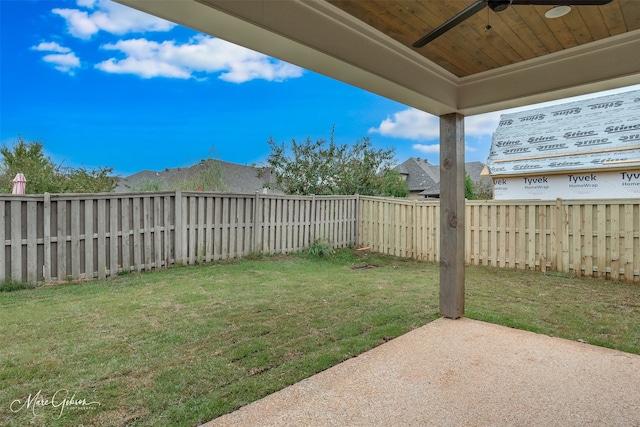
[425, 177]
[236, 178]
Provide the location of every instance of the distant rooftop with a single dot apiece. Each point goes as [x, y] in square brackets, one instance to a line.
[424, 178]
[235, 178]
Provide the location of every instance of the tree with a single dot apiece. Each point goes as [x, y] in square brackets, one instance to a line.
[209, 176]
[483, 189]
[28, 158]
[394, 185]
[83, 180]
[324, 169]
[478, 190]
[469, 191]
[44, 176]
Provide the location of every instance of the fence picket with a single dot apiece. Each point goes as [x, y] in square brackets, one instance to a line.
[137, 237]
[541, 242]
[89, 240]
[125, 206]
[113, 237]
[626, 260]
[587, 240]
[615, 241]
[167, 231]
[61, 245]
[32, 243]
[3, 260]
[16, 241]
[75, 238]
[636, 244]
[158, 228]
[46, 209]
[146, 232]
[248, 226]
[201, 224]
[501, 238]
[102, 239]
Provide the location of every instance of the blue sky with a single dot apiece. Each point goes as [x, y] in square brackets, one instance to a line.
[100, 84]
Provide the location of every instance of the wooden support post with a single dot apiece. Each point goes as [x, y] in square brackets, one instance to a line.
[452, 209]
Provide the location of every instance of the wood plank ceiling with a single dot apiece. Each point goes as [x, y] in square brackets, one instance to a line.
[517, 34]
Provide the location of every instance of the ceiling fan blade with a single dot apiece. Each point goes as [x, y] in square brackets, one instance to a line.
[561, 2]
[478, 5]
[471, 10]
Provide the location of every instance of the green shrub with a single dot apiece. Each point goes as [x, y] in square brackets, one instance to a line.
[148, 185]
[320, 249]
[13, 285]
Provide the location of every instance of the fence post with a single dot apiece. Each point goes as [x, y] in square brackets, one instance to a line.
[556, 240]
[414, 229]
[560, 235]
[3, 272]
[312, 221]
[356, 231]
[46, 218]
[178, 229]
[16, 241]
[256, 224]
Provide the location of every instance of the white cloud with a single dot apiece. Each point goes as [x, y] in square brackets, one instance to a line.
[51, 47]
[65, 62]
[78, 22]
[108, 16]
[427, 149]
[417, 125]
[62, 58]
[435, 148]
[87, 3]
[409, 124]
[482, 124]
[202, 54]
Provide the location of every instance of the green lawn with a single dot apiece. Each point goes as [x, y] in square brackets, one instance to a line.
[185, 345]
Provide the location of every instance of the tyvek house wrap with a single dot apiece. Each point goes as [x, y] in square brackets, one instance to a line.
[586, 149]
[593, 134]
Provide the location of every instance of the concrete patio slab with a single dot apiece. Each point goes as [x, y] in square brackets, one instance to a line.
[461, 373]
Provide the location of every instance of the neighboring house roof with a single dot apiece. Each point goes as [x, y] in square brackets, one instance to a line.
[594, 134]
[420, 173]
[235, 178]
[424, 177]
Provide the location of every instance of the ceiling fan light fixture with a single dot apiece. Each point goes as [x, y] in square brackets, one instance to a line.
[498, 5]
[557, 12]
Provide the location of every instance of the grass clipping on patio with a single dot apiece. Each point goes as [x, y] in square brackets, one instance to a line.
[182, 346]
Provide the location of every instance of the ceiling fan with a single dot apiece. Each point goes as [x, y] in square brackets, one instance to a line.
[499, 6]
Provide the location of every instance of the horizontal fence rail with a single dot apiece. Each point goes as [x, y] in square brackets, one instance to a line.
[592, 238]
[53, 238]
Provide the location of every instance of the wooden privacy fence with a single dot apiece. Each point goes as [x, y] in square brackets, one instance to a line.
[83, 236]
[586, 238]
[75, 237]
